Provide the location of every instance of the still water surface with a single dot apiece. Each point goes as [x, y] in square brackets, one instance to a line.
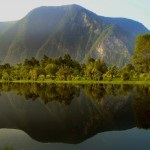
[74, 117]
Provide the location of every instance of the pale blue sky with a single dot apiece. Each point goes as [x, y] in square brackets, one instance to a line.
[134, 9]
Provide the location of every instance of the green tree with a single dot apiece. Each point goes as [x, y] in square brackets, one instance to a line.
[15, 73]
[35, 72]
[95, 69]
[100, 68]
[45, 61]
[51, 69]
[127, 72]
[64, 73]
[58, 61]
[31, 62]
[141, 56]
[1, 70]
[34, 62]
[6, 66]
[24, 73]
[5, 75]
[67, 60]
[126, 76]
[27, 62]
[112, 72]
[129, 67]
[89, 70]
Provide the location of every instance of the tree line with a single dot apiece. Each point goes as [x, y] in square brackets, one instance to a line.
[65, 68]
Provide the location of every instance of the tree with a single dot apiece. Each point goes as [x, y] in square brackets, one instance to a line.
[112, 72]
[91, 60]
[127, 72]
[24, 73]
[34, 62]
[89, 70]
[35, 72]
[31, 63]
[6, 66]
[5, 75]
[58, 61]
[67, 60]
[51, 69]
[1, 70]
[95, 69]
[64, 73]
[45, 60]
[27, 62]
[141, 56]
[100, 68]
[129, 67]
[125, 76]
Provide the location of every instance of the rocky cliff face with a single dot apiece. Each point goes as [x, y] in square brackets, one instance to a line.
[71, 29]
[115, 49]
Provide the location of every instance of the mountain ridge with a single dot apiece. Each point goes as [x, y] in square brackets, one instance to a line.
[56, 30]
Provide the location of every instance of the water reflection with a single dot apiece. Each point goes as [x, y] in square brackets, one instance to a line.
[62, 93]
[141, 106]
[72, 113]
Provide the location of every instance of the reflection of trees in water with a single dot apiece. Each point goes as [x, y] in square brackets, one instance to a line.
[100, 93]
[63, 93]
[117, 97]
[112, 102]
[95, 91]
[5, 87]
[111, 89]
[107, 97]
[114, 98]
[125, 89]
[141, 107]
[98, 108]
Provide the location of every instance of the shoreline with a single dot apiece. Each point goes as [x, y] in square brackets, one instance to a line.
[79, 82]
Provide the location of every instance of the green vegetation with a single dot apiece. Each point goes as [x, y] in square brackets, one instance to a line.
[67, 70]
[142, 53]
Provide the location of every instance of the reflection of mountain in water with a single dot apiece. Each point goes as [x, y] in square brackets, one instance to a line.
[66, 113]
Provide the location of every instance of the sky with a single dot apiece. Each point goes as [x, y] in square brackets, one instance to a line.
[133, 9]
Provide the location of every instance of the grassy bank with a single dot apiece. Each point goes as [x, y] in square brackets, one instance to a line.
[79, 82]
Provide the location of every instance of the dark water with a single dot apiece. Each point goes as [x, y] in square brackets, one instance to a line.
[74, 117]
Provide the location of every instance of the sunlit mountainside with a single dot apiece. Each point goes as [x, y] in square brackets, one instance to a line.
[71, 29]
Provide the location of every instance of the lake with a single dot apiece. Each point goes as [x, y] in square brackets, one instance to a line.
[74, 117]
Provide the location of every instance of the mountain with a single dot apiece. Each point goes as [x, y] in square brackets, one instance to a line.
[130, 26]
[5, 25]
[71, 29]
